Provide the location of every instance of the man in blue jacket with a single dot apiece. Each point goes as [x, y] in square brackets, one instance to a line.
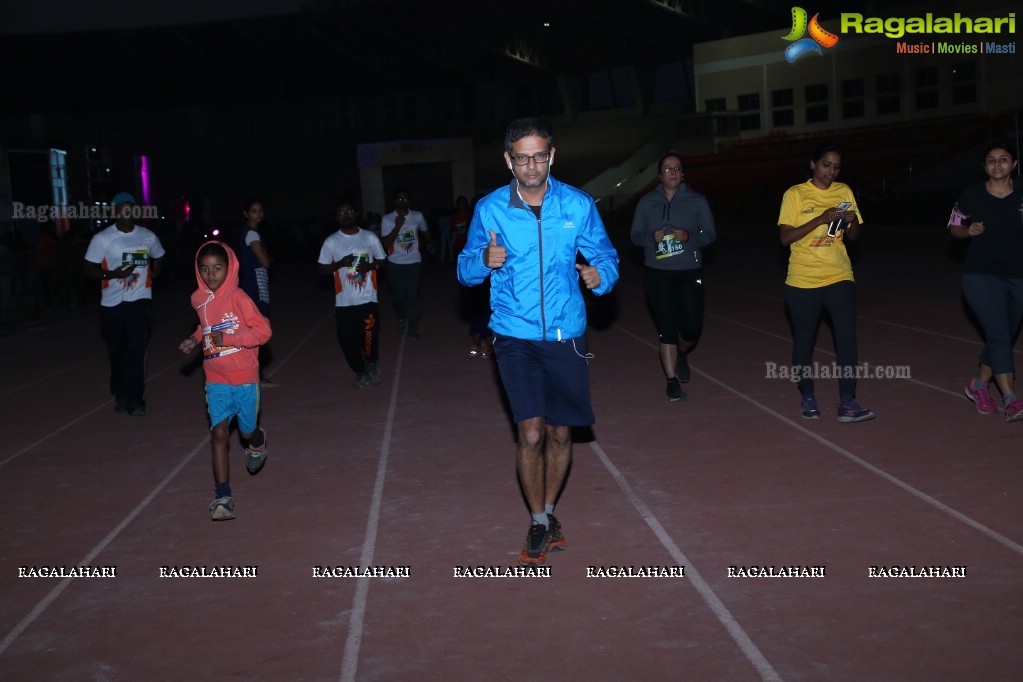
[526, 238]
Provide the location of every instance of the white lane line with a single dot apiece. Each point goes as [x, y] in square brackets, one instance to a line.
[894, 480]
[720, 611]
[918, 330]
[58, 372]
[43, 603]
[62, 585]
[357, 619]
[818, 349]
[150, 378]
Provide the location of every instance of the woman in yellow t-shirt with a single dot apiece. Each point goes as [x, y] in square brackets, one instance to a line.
[816, 218]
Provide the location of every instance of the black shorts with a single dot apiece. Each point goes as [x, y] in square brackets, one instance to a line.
[549, 379]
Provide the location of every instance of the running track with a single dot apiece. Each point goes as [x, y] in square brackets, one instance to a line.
[419, 472]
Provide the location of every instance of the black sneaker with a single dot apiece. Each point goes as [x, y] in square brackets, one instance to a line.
[373, 371]
[682, 367]
[674, 390]
[557, 541]
[538, 541]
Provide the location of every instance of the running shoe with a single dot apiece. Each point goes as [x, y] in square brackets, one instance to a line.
[674, 390]
[475, 350]
[1014, 411]
[852, 411]
[538, 541]
[980, 397]
[557, 541]
[256, 458]
[374, 373]
[222, 509]
[682, 368]
[808, 408]
[361, 380]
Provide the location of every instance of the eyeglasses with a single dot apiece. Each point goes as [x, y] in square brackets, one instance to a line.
[523, 159]
[672, 169]
[346, 211]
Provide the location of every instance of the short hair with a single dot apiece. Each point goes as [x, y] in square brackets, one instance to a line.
[249, 203]
[215, 249]
[824, 148]
[524, 127]
[998, 144]
[660, 162]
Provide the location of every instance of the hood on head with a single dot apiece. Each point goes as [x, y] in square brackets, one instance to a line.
[231, 283]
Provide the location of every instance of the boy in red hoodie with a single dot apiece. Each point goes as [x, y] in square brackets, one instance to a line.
[231, 330]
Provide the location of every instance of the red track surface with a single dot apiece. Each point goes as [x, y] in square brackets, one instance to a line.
[419, 472]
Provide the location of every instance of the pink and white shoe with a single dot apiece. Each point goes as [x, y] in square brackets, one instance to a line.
[1014, 411]
[980, 397]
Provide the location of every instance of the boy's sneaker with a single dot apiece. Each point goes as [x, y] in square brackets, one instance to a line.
[852, 411]
[674, 390]
[1014, 411]
[980, 397]
[682, 368]
[222, 509]
[808, 408]
[557, 540]
[361, 380]
[374, 373]
[538, 541]
[256, 458]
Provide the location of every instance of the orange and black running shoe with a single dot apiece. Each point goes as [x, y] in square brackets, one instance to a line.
[557, 541]
[538, 541]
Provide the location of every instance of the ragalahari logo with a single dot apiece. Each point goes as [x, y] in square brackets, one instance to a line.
[803, 46]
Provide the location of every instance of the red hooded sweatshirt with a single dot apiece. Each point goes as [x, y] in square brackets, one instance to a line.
[230, 310]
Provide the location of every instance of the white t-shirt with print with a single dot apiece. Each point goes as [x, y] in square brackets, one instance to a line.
[111, 249]
[405, 249]
[350, 286]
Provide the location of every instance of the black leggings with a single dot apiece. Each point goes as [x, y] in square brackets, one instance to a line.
[676, 301]
[805, 306]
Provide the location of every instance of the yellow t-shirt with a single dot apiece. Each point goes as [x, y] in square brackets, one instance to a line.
[816, 260]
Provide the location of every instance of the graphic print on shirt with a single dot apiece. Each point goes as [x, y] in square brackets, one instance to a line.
[137, 259]
[228, 325]
[353, 277]
[406, 241]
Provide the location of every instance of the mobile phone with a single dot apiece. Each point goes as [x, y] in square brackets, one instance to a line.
[837, 225]
[668, 229]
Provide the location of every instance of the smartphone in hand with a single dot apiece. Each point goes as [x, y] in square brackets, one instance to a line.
[839, 224]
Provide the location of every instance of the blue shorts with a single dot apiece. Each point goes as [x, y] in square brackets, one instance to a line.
[549, 379]
[225, 401]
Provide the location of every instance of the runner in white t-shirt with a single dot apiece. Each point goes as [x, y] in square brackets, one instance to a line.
[125, 257]
[353, 257]
[401, 231]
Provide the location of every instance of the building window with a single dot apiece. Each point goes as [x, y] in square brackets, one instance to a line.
[716, 104]
[852, 108]
[852, 98]
[889, 97]
[816, 103]
[963, 72]
[852, 88]
[964, 79]
[927, 99]
[782, 113]
[817, 93]
[927, 77]
[781, 98]
[751, 104]
[927, 87]
[782, 117]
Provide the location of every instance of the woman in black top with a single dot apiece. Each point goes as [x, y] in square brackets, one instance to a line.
[990, 215]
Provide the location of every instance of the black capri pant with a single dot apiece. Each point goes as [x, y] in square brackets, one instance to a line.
[676, 302]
